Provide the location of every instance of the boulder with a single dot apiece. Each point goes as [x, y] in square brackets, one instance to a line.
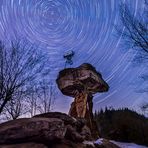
[86, 133]
[73, 135]
[50, 130]
[64, 117]
[76, 131]
[41, 130]
[68, 144]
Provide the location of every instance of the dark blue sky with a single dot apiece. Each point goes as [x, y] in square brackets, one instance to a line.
[86, 27]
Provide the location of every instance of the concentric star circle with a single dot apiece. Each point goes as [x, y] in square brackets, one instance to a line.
[84, 26]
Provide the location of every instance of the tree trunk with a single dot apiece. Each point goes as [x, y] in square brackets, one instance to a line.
[4, 103]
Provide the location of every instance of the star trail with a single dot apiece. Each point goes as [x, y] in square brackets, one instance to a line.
[88, 28]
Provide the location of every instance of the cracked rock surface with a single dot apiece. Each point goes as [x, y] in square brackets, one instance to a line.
[49, 130]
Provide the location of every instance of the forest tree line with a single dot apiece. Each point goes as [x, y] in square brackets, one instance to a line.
[122, 125]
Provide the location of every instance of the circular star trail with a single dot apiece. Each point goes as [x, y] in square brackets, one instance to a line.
[87, 28]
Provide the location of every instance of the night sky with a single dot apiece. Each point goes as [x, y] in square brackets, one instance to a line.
[87, 28]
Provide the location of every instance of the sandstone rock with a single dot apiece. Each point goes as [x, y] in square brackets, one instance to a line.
[32, 130]
[81, 122]
[78, 123]
[73, 135]
[85, 144]
[72, 80]
[64, 117]
[63, 144]
[76, 128]
[68, 144]
[86, 133]
[81, 83]
[50, 130]
[24, 145]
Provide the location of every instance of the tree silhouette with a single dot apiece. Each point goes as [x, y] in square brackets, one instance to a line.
[136, 29]
[21, 67]
[135, 34]
[16, 107]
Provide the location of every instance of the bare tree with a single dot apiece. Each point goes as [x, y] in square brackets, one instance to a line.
[135, 35]
[136, 29]
[16, 107]
[32, 101]
[20, 65]
[41, 98]
[46, 94]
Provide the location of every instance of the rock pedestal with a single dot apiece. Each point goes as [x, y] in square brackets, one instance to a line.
[81, 83]
[82, 108]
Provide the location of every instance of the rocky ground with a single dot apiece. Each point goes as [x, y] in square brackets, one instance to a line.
[50, 130]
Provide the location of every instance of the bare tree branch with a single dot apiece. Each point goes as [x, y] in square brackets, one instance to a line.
[20, 65]
[136, 29]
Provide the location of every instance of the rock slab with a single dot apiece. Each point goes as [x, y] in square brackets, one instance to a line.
[50, 130]
[32, 130]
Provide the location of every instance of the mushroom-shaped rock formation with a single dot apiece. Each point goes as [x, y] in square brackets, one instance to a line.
[71, 81]
[81, 83]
